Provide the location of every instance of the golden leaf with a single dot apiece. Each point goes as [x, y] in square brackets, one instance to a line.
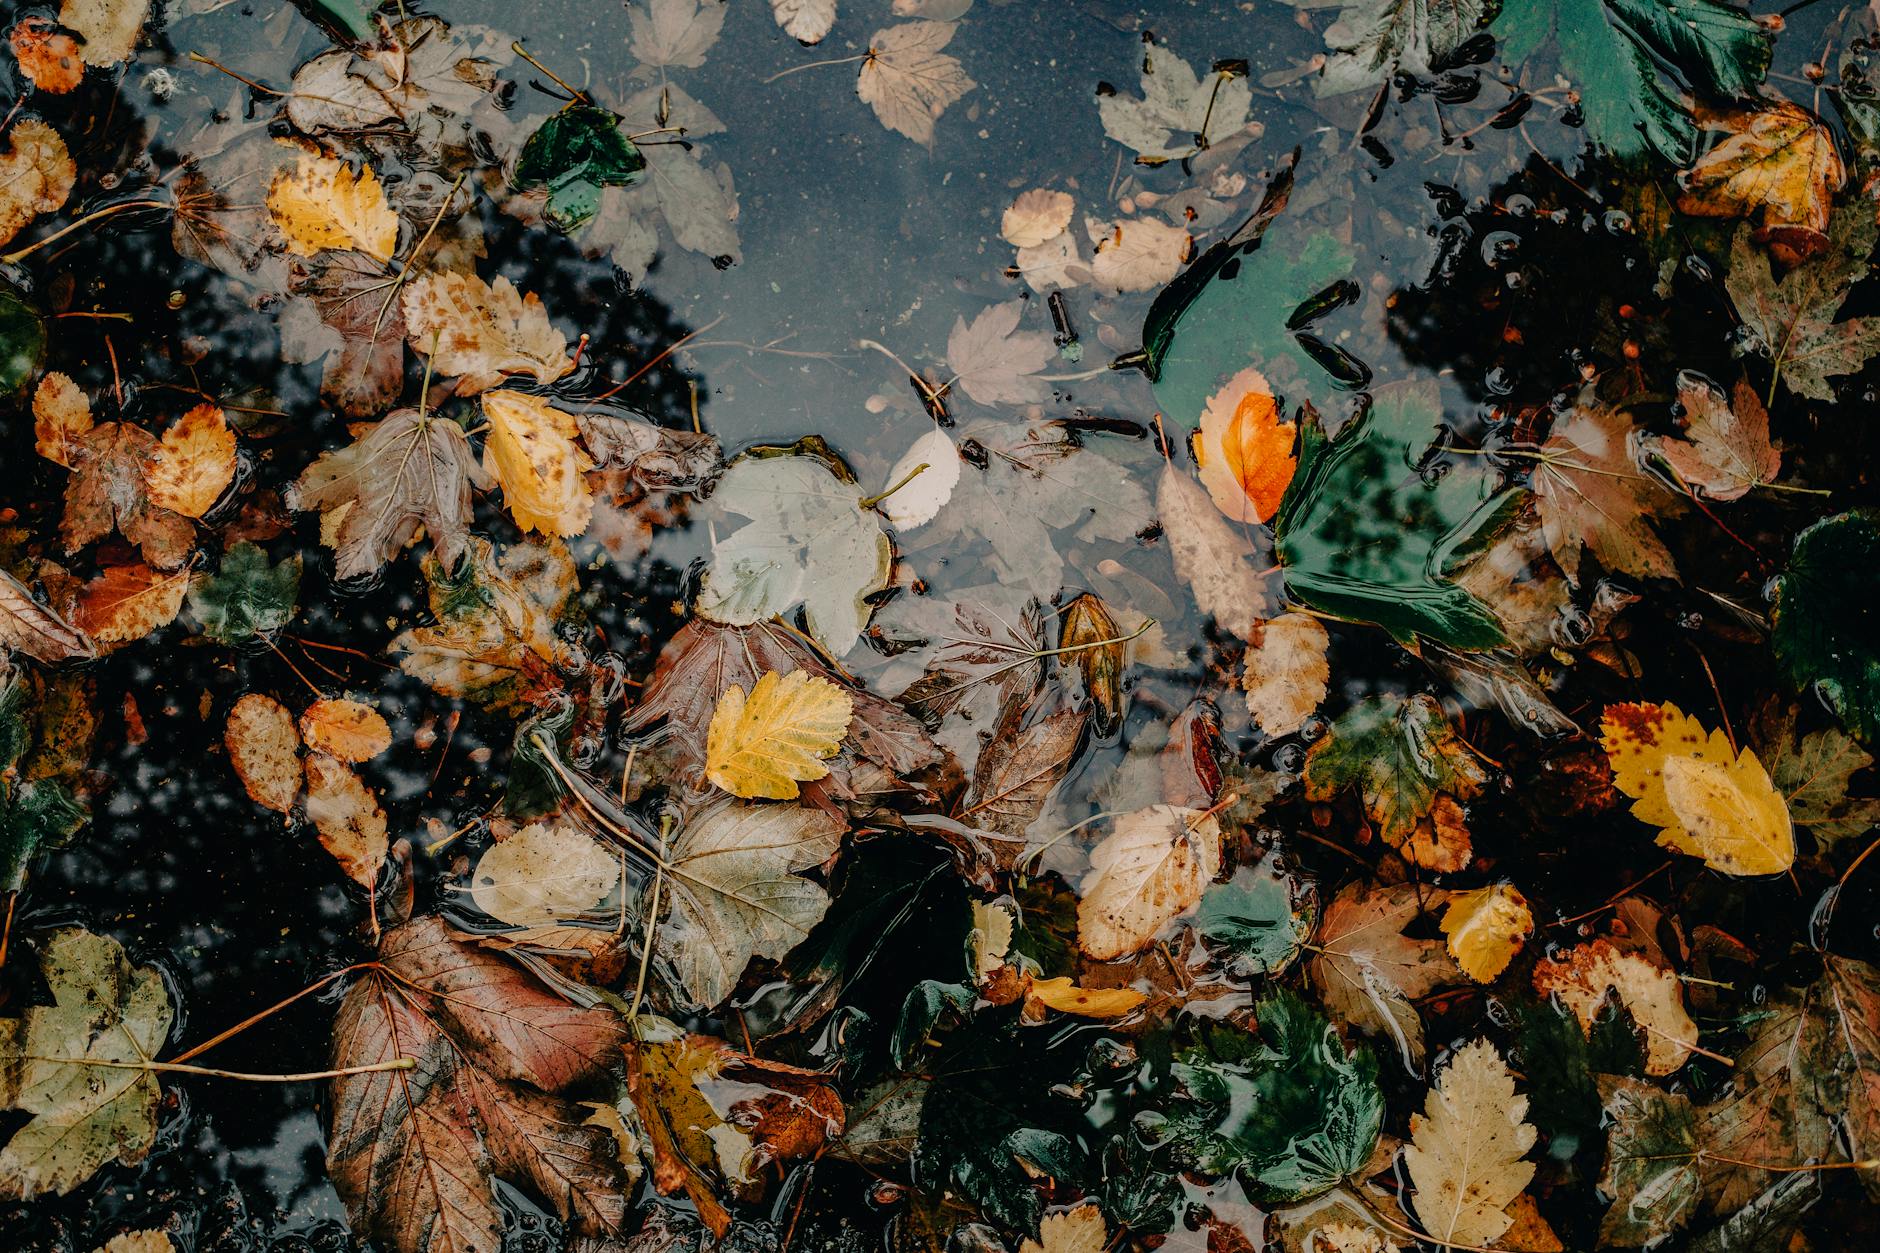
[1081, 1230]
[1777, 164]
[323, 204]
[483, 331]
[345, 729]
[265, 750]
[194, 463]
[1243, 449]
[1708, 800]
[36, 175]
[1652, 995]
[1154, 865]
[1486, 928]
[128, 602]
[61, 419]
[782, 734]
[531, 451]
[1467, 1147]
[1066, 997]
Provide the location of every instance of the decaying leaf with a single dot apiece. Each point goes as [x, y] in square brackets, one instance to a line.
[530, 451]
[345, 729]
[1153, 866]
[61, 418]
[1402, 755]
[1776, 165]
[247, 597]
[675, 33]
[36, 175]
[324, 203]
[1018, 772]
[264, 748]
[482, 332]
[1179, 111]
[1486, 928]
[994, 362]
[1286, 672]
[1088, 637]
[1369, 43]
[1036, 217]
[1592, 496]
[194, 462]
[908, 81]
[1797, 317]
[1707, 799]
[423, 75]
[1080, 1230]
[35, 629]
[544, 873]
[781, 735]
[1468, 1147]
[127, 602]
[1725, 450]
[1651, 1162]
[110, 27]
[1215, 558]
[1584, 976]
[47, 56]
[1243, 450]
[109, 490]
[348, 817]
[1369, 973]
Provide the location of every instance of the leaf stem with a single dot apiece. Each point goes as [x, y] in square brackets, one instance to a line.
[212, 63]
[179, 1068]
[97, 215]
[271, 1010]
[515, 46]
[810, 65]
[869, 502]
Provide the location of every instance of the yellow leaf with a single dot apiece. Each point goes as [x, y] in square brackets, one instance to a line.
[323, 204]
[544, 873]
[481, 331]
[1776, 163]
[1066, 997]
[345, 729]
[991, 937]
[1244, 452]
[146, 1241]
[61, 419]
[782, 734]
[1486, 928]
[1081, 1230]
[36, 175]
[1153, 866]
[1651, 994]
[1708, 800]
[531, 451]
[195, 462]
[1467, 1149]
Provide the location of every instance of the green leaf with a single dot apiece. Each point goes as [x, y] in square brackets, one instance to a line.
[22, 340]
[1651, 1162]
[1560, 1063]
[1371, 529]
[352, 16]
[1826, 632]
[1373, 39]
[1814, 775]
[575, 154]
[1632, 59]
[34, 814]
[1289, 1111]
[247, 596]
[920, 1012]
[1262, 916]
[1400, 754]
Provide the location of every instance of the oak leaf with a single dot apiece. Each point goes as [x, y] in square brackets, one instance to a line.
[194, 462]
[483, 332]
[1583, 976]
[1725, 450]
[908, 81]
[530, 451]
[1243, 450]
[1369, 972]
[782, 734]
[1152, 867]
[264, 748]
[1486, 928]
[1467, 1151]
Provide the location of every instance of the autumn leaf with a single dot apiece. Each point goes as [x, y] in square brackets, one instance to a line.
[674, 33]
[348, 817]
[1776, 165]
[530, 451]
[36, 175]
[324, 204]
[247, 596]
[74, 1067]
[128, 602]
[544, 873]
[908, 81]
[1137, 254]
[482, 332]
[781, 735]
[1080, 1230]
[1153, 866]
[1369, 972]
[1468, 1147]
[1401, 754]
[1652, 1160]
[915, 501]
[806, 21]
[61, 419]
[407, 472]
[1486, 928]
[1725, 450]
[109, 491]
[1036, 217]
[194, 462]
[1215, 558]
[1243, 450]
[1286, 672]
[1017, 772]
[1089, 639]
[422, 79]
[264, 748]
[110, 27]
[345, 315]
[1592, 496]
[1815, 774]
[994, 362]
[49, 57]
[1064, 996]
[1583, 976]
[1797, 317]
[1179, 111]
[37, 630]
[1707, 799]
[345, 729]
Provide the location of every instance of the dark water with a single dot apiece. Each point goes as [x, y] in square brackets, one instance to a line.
[847, 232]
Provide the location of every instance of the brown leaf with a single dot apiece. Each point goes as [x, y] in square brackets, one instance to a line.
[1586, 974]
[483, 332]
[1725, 450]
[908, 81]
[265, 751]
[1084, 627]
[1369, 972]
[108, 491]
[1018, 772]
[345, 729]
[348, 318]
[1776, 165]
[47, 55]
[1286, 672]
[415, 1153]
[36, 175]
[348, 817]
[194, 462]
[33, 629]
[128, 602]
[61, 419]
[1592, 495]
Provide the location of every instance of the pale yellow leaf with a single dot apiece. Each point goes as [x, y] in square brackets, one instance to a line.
[348, 818]
[1651, 994]
[806, 21]
[483, 331]
[908, 81]
[110, 27]
[1036, 217]
[991, 937]
[782, 734]
[531, 451]
[265, 751]
[61, 418]
[1081, 1230]
[36, 175]
[1467, 1148]
[195, 462]
[1153, 866]
[544, 873]
[1137, 254]
[1063, 995]
[324, 204]
[1287, 673]
[147, 1241]
[1486, 928]
[345, 729]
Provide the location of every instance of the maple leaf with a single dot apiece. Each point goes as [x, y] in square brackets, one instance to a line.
[415, 1154]
[1592, 495]
[324, 204]
[1080, 1230]
[1467, 1149]
[1137, 254]
[1652, 1159]
[483, 332]
[247, 596]
[409, 471]
[1725, 450]
[1178, 112]
[908, 81]
[1036, 217]
[734, 891]
[1814, 774]
[346, 316]
[36, 175]
[1707, 799]
[1244, 451]
[1795, 317]
[75, 1067]
[1486, 928]
[345, 729]
[1216, 559]
[420, 81]
[109, 490]
[698, 204]
[1153, 866]
[193, 463]
[530, 451]
[264, 748]
[1286, 672]
[348, 817]
[1401, 754]
[782, 734]
[1369, 973]
[497, 639]
[993, 361]
[980, 663]
[1583, 976]
[1777, 165]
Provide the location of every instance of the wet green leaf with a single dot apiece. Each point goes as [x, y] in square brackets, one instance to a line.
[22, 340]
[1559, 1061]
[247, 596]
[1261, 916]
[34, 814]
[1401, 754]
[1370, 41]
[574, 154]
[352, 16]
[1372, 528]
[1651, 1162]
[1826, 632]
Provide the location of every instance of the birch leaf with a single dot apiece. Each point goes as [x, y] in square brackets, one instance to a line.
[323, 204]
[483, 332]
[1286, 672]
[542, 874]
[531, 451]
[782, 734]
[1467, 1149]
[1486, 928]
[1153, 866]
[264, 748]
[345, 729]
[908, 81]
[194, 462]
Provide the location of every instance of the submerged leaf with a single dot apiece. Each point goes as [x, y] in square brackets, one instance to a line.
[1370, 42]
[1826, 632]
[908, 81]
[1178, 112]
[1592, 495]
[247, 596]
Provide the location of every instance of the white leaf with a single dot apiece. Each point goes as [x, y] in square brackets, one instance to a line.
[1137, 254]
[1176, 106]
[917, 502]
[992, 360]
[1057, 262]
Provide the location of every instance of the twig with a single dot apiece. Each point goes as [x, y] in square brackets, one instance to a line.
[397, 1063]
[275, 1008]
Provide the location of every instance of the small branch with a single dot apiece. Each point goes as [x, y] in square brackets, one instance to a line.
[178, 1068]
[217, 65]
[515, 46]
[111, 210]
[271, 1010]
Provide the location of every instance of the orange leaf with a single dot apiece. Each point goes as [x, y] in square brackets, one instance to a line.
[1244, 450]
[347, 729]
[128, 602]
[194, 463]
[47, 55]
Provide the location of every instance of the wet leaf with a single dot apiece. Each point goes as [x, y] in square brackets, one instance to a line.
[806, 21]
[36, 175]
[735, 892]
[1814, 774]
[1087, 627]
[1152, 867]
[264, 748]
[61, 419]
[674, 33]
[1036, 217]
[1796, 317]
[1287, 673]
[110, 27]
[1178, 112]
[1368, 972]
[35, 629]
[530, 451]
[1261, 917]
[346, 315]
[1401, 754]
[410, 470]
[915, 501]
[1708, 800]
[482, 332]
[48, 57]
[656, 456]
[1824, 634]
[1725, 450]
[783, 734]
[1592, 495]
[1018, 772]
[348, 817]
[1467, 1149]
[1486, 928]
[1080, 1230]
[127, 602]
[247, 596]
[1651, 1163]
[345, 729]
[423, 76]
[698, 203]
[81, 1115]
[544, 873]
[1214, 557]
[324, 203]
[1244, 451]
[1136, 254]
[1775, 165]
[576, 153]
[1370, 42]
[993, 361]
[908, 81]
[1582, 977]
[1063, 995]
[981, 665]
[194, 462]
[109, 490]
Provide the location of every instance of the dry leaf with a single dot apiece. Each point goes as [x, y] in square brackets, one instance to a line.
[1592, 495]
[194, 462]
[1286, 672]
[1137, 254]
[1583, 976]
[483, 332]
[265, 751]
[324, 204]
[348, 818]
[544, 873]
[1776, 165]
[128, 602]
[1725, 450]
[1486, 928]
[782, 734]
[1153, 866]
[147, 1241]
[1243, 450]
[110, 27]
[345, 729]
[806, 21]
[1466, 1155]
[531, 451]
[1708, 800]
[34, 629]
[908, 81]
[49, 57]
[61, 419]
[1212, 556]
[36, 175]
[1036, 217]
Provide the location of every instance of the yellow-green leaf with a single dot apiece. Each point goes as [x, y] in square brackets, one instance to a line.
[783, 733]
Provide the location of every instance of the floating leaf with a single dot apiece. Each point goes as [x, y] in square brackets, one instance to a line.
[530, 451]
[1287, 672]
[993, 361]
[1486, 928]
[194, 462]
[1369, 973]
[49, 57]
[345, 729]
[1017, 773]
[110, 27]
[1776, 165]
[1089, 639]
[1036, 217]
[1797, 318]
[542, 874]
[36, 175]
[109, 491]
[1136, 254]
[1651, 1163]
[1063, 995]
[35, 629]
[1583, 976]
[1825, 633]
[674, 33]
[348, 817]
[1178, 112]
[1592, 495]
[908, 81]
[61, 419]
[1467, 1149]
[482, 332]
[128, 602]
[1080, 1230]
[1401, 754]
[806, 21]
[781, 735]
[422, 75]
[1153, 866]
[323, 204]
[575, 153]
[264, 748]
[1244, 451]
[1370, 42]
[1261, 916]
[914, 502]
[1725, 450]
[247, 596]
